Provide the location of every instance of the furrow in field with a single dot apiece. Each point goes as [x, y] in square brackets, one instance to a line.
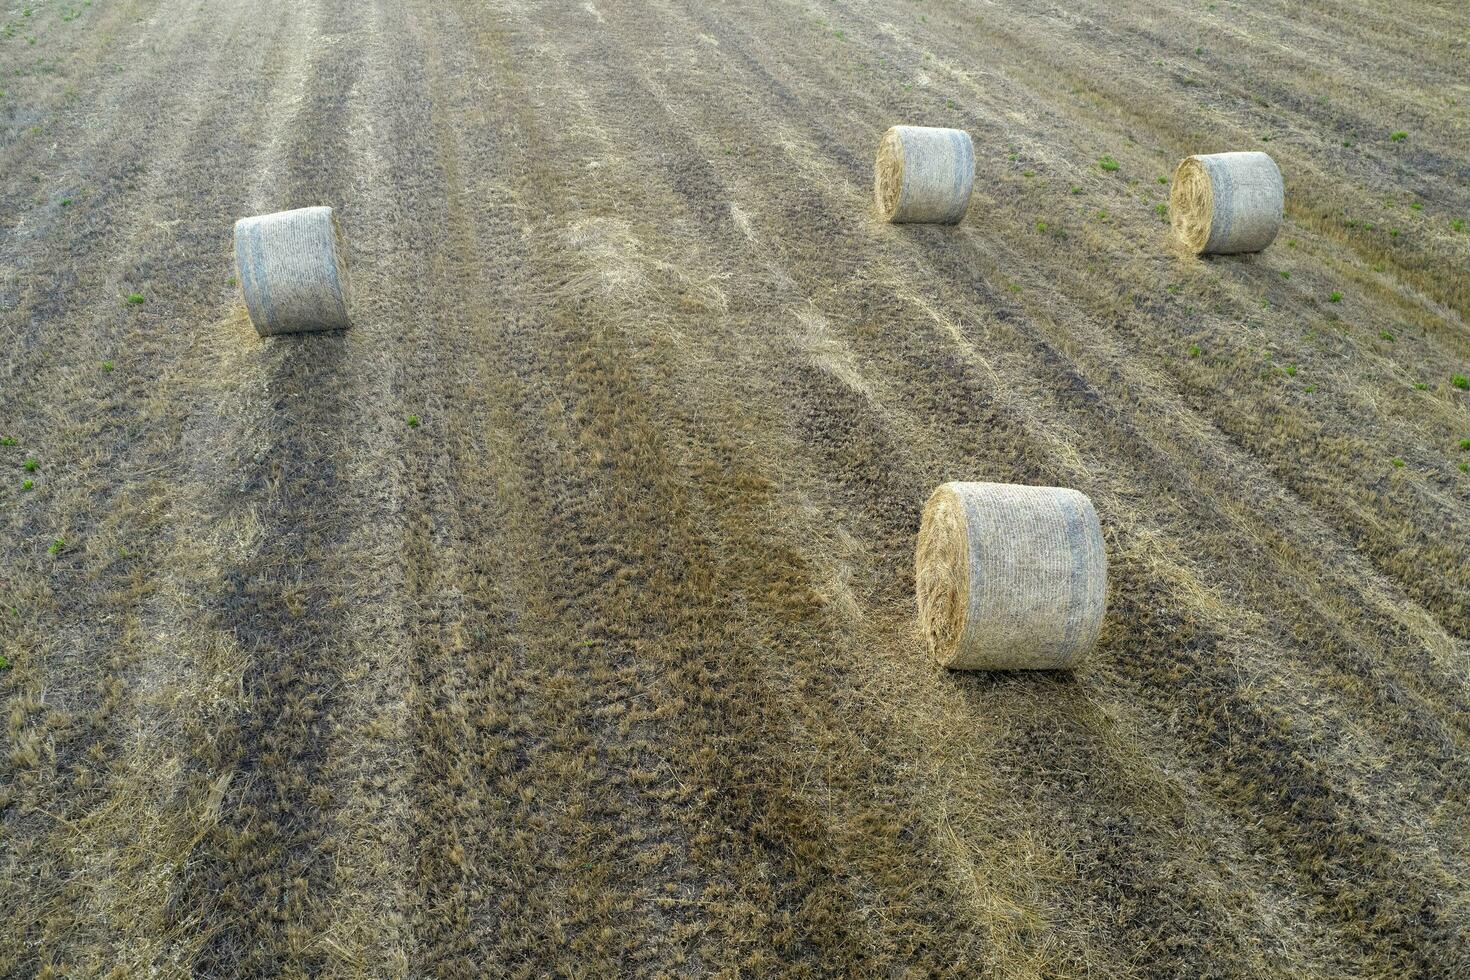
[261, 881]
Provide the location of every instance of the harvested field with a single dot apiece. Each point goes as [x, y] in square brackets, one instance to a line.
[558, 618]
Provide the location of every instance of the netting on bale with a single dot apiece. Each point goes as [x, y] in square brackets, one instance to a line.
[1010, 577]
[292, 271]
[924, 174]
[1225, 203]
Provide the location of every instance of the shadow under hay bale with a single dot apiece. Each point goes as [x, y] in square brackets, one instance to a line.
[1010, 577]
[292, 271]
[924, 174]
[1227, 203]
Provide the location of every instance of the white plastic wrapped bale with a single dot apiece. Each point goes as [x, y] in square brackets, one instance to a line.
[1224, 203]
[292, 270]
[924, 173]
[1010, 577]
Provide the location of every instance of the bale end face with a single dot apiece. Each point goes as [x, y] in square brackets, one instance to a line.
[942, 573]
[1010, 577]
[888, 174]
[292, 271]
[1192, 204]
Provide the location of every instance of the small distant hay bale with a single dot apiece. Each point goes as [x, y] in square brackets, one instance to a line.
[293, 272]
[1010, 577]
[924, 173]
[1224, 203]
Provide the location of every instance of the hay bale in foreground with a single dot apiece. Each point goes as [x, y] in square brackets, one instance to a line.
[924, 173]
[1010, 577]
[292, 271]
[1224, 203]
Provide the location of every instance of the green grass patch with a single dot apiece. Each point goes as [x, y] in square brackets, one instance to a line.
[1107, 163]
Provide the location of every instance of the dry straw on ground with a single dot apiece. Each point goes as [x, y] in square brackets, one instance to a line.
[607, 668]
[1225, 203]
[924, 173]
[1010, 577]
[292, 271]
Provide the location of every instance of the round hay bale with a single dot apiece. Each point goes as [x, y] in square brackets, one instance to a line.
[292, 270]
[1010, 577]
[924, 173]
[1224, 203]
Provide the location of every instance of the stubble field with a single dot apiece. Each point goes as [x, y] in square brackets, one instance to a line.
[608, 665]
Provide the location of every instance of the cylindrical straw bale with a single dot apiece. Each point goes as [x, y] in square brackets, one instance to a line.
[1224, 203]
[1010, 577]
[293, 271]
[924, 173]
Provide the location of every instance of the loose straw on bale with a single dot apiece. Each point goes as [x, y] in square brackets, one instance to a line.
[924, 174]
[1227, 202]
[292, 271]
[1010, 577]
